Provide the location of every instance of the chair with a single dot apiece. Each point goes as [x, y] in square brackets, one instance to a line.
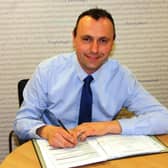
[12, 136]
[21, 85]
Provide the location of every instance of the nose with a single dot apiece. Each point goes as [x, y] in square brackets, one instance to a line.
[94, 47]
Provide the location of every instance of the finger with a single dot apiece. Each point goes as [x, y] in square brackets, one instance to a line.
[81, 129]
[84, 134]
[60, 142]
[82, 137]
[61, 138]
[75, 137]
[69, 137]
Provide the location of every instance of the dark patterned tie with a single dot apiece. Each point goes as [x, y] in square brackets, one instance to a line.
[85, 112]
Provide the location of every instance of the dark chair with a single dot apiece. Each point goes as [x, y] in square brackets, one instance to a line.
[21, 85]
[12, 135]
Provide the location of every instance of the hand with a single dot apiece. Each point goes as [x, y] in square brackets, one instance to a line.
[96, 129]
[57, 136]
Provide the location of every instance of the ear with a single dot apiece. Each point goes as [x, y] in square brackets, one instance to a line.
[73, 40]
[113, 47]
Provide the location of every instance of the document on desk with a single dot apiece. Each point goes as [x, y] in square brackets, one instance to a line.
[96, 149]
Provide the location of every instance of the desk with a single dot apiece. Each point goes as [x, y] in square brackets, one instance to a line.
[25, 157]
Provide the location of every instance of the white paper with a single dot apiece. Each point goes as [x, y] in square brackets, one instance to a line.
[97, 149]
[117, 146]
[84, 153]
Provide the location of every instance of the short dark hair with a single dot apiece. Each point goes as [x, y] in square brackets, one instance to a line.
[95, 13]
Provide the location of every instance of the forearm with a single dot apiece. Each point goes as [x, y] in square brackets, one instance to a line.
[147, 124]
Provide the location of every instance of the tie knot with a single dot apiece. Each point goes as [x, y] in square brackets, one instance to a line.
[88, 79]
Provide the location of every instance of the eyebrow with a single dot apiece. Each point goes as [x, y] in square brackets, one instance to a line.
[101, 37]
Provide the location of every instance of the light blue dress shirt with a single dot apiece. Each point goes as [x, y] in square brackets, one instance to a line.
[54, 93]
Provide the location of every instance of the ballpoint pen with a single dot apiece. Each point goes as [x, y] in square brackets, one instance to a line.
[49, 117]
[62, 125]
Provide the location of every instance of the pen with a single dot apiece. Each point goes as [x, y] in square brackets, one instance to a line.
[63, 126]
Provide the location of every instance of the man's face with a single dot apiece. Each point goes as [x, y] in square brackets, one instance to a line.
[93, 42]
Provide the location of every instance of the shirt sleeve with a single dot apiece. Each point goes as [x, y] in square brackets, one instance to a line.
[29, 116]
[151, 117]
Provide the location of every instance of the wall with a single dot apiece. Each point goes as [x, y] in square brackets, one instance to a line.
[33, 30]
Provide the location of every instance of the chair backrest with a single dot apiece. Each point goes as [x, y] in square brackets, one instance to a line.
[21, 85]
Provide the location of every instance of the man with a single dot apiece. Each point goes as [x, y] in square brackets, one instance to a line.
[55, 89]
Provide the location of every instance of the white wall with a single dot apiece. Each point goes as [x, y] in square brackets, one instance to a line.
[32, 30]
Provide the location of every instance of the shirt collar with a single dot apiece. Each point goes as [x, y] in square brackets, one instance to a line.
[80, 72]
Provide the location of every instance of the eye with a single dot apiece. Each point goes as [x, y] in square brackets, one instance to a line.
[103, 40]
[86, 39]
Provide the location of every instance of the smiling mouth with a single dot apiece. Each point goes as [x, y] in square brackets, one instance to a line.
[92, 57]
